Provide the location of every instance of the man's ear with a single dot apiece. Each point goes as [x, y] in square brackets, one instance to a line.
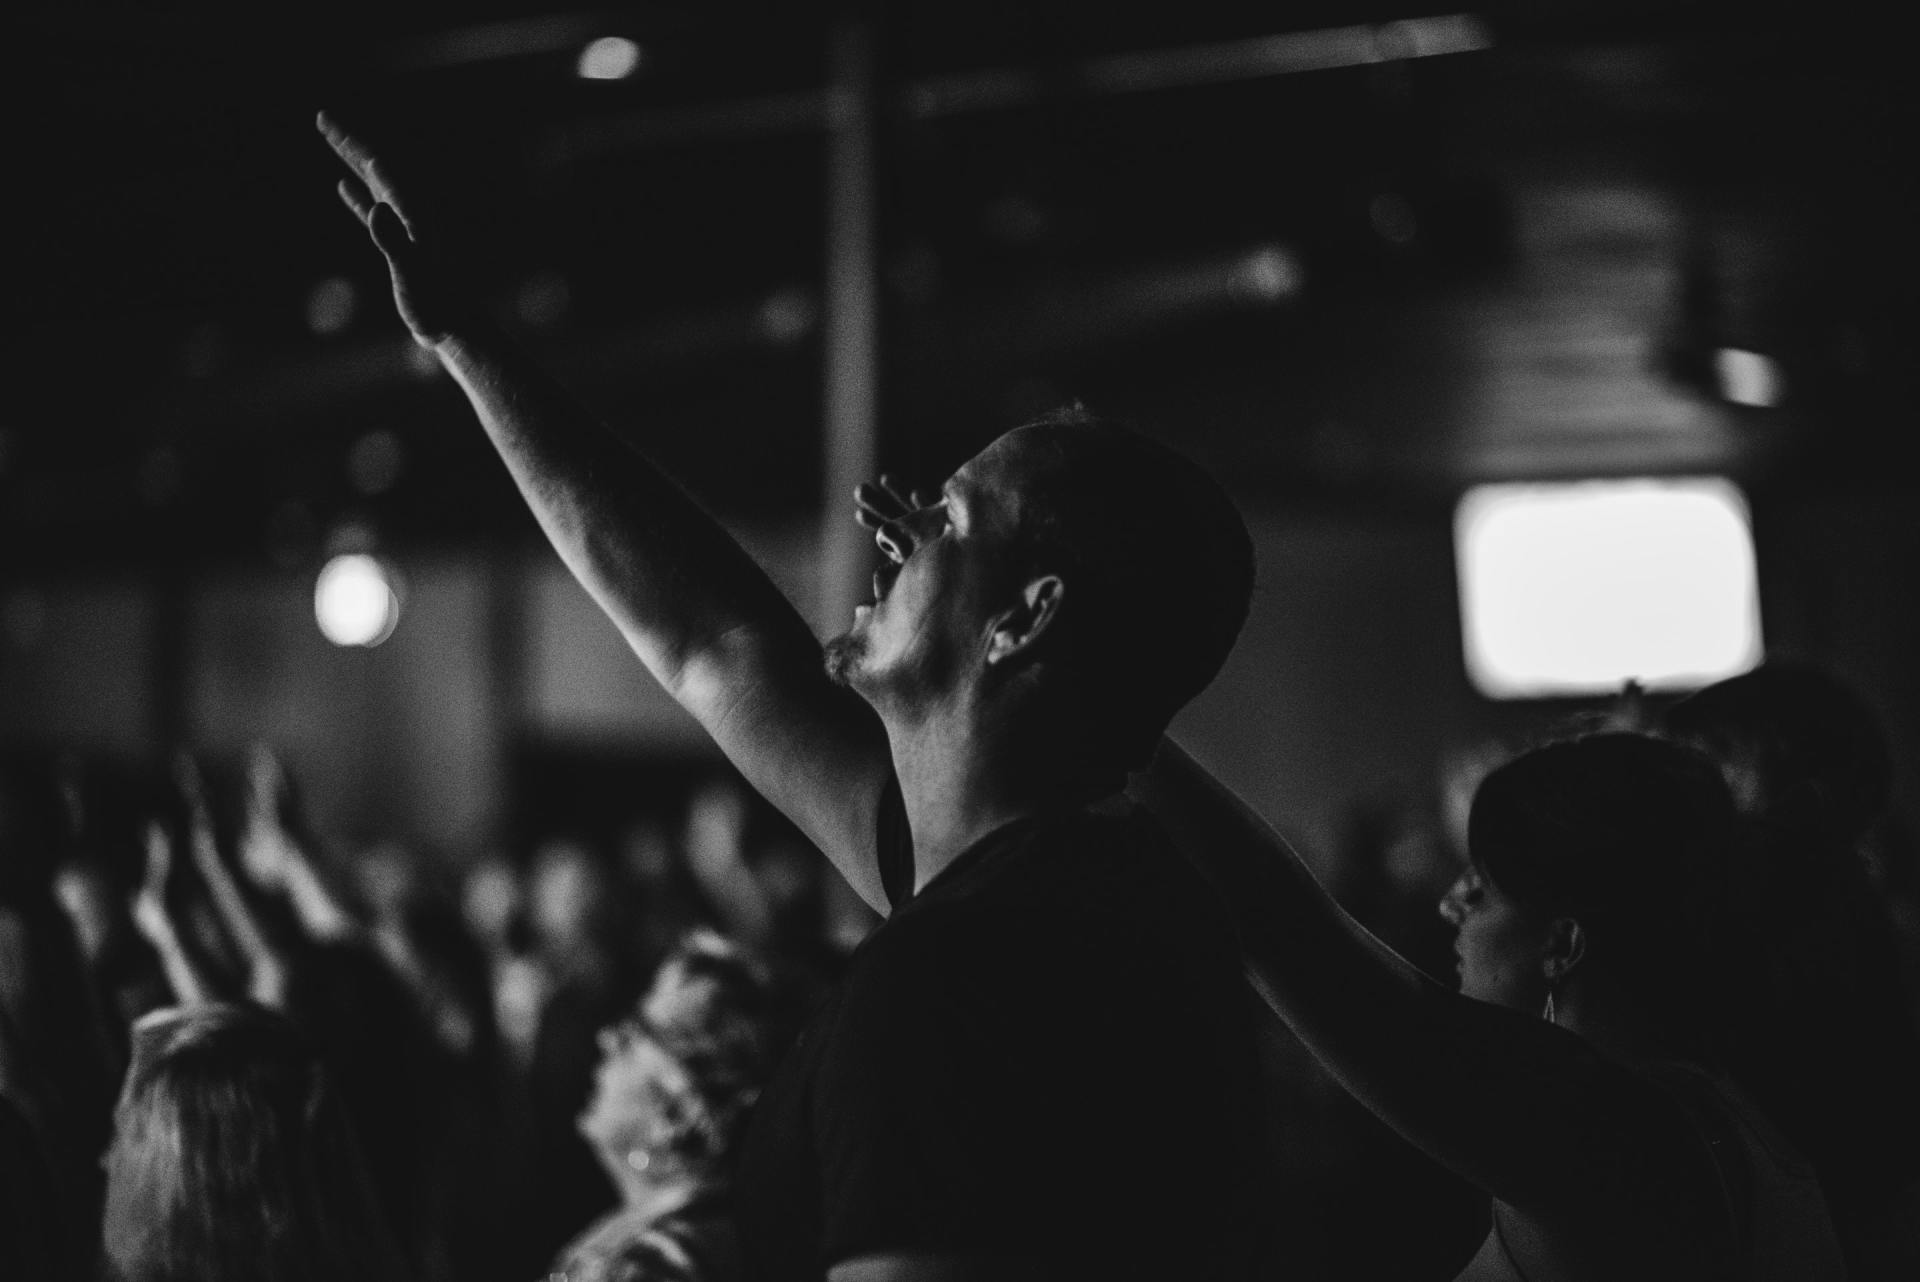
[1015, 631]
[1566, 948]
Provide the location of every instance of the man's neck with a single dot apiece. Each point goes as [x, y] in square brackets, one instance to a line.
[962, 777]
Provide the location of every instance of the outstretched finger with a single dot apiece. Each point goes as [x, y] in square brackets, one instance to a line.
[159, 855]
[365, 165]
[351, 150]
[873, 506]
[898, 495]
[355, 196]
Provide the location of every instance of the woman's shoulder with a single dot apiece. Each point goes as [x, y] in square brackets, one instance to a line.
[1773, 1197]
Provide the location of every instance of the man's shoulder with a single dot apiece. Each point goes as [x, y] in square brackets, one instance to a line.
[1116, 858]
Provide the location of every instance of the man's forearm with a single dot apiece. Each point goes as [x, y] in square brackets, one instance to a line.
[701, 615]
[668, 575]
[1315, 964]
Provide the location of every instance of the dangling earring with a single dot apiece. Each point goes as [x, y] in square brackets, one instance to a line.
[1547, 1014]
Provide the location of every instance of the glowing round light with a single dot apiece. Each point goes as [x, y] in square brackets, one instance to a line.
[609, 58]
[355, 602]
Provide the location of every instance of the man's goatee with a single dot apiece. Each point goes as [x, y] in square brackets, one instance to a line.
[839, 656]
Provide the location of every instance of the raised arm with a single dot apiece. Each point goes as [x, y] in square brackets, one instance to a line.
[266, 968]
[705, 620]
[1529, 1112]
[154, 918]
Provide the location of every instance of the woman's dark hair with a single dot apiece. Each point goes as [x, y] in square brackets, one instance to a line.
[1836, 1051]
[233, 1159]
[1788, 725]
[1639, 840]
[1633, 837]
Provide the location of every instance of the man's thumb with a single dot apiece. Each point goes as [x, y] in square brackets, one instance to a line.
[389, 233]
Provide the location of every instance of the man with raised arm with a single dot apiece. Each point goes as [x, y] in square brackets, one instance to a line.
[1041, 1065]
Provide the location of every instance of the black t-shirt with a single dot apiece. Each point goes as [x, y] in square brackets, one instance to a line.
[1046, 1053]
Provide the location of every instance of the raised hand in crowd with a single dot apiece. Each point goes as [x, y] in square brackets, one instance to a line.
[278, 851]
[263, 965]
[705, 620]
[424, 293]
[154, 916]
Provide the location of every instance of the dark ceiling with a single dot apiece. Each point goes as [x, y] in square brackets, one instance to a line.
[1368, 281]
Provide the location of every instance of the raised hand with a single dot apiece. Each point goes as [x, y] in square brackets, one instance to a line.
[150, 911]
[193, 790]
[267, 844]
[265, 969]
[153, 917]
[877, 502]
[428, 302]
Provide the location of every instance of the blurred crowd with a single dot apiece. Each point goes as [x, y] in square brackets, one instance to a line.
[513, 1046]
[537, 1064]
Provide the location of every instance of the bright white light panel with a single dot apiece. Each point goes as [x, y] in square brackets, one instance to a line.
[1574, 588]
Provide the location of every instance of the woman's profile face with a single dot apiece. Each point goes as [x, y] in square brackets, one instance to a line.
[1500, 943]
[630, 1110]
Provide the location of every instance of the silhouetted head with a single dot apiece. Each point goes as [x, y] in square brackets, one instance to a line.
[1075, 564]
[1601, 857]
[233, 1159]
[1785, 726]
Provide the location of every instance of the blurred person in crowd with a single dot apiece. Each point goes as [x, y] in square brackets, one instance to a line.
[676, 1081]
[94, 886]
[578, 925]
[715, 845]
[93, 891]
[1587, 1074]
[1805, 758]
[765, 888]
[493, 906]
[301, 950]
[32, 1248]
[234, 1160]
[806, 958]
[57, 1070]
[493, 901]
[665, 895]
[418, 928]
[961, 1107]
[1391, 867]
